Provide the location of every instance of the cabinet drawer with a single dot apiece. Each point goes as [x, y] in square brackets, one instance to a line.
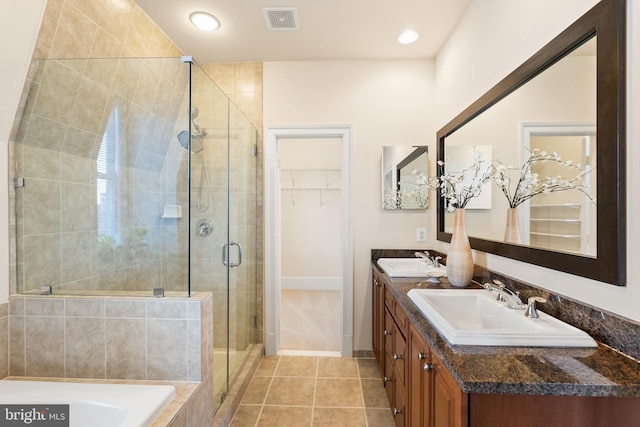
[401, 319]
[399, 357]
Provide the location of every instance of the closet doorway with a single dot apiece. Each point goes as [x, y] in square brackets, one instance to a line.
[308, 247]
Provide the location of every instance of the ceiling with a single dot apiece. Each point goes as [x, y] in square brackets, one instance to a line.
[328, 29]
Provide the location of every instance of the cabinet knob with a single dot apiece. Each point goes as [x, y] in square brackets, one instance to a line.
[421, 356]
[387, 379]
[386, 333]
[396, 357]
[427, 367]
[375, 282]
[396, 411]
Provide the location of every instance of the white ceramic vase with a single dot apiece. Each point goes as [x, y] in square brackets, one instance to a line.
[459, 258]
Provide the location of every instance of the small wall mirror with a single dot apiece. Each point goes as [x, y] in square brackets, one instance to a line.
[404, 173]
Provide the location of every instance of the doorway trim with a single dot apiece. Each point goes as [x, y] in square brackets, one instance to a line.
[272, 243]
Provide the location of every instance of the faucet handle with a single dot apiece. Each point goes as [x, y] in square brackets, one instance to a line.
[499, 283]
[436, 261]
[532, 311]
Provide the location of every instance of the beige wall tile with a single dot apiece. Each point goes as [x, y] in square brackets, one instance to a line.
[17, 364]
[84, 307]
[85, 347]
[126, 348]
[194, 350]
[41, 207]
[162, 309]
[75, 37]
[167, 349]
[44, 306]
[44, 346]
[4, 340]
[199, 407]
[125, 308]
[75, 256]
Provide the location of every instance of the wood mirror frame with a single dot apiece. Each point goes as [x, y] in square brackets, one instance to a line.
[607, 20]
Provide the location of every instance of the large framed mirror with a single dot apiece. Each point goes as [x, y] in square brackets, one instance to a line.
[568, 99]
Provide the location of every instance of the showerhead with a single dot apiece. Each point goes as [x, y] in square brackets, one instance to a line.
[196, 141]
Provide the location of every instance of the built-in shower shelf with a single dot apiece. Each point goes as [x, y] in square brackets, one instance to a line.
[171, 212]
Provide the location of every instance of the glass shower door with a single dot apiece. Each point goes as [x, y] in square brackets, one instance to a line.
[223, 224]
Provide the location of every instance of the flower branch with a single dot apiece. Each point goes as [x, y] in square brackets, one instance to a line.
[529, 184]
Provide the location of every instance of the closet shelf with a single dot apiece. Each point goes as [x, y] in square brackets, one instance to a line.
[562, 236]
[309, 188]
[559, 205]
[575, 220]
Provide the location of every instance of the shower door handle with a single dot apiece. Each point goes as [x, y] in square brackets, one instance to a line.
[225, 254]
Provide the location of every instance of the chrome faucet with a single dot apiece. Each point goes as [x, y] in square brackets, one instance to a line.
[434, 261]
[424, 256]
[505, 295]
[532, 311]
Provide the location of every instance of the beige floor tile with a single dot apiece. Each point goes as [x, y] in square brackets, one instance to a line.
[291, 366]
[257, 391]
[379, 417]
[291, 391]
[338, 392]
[374, 394]
[368, 368]
[285, 416]
[335, 367]
[246, 416]
[338, 417]
[315, 391]
[267, 366]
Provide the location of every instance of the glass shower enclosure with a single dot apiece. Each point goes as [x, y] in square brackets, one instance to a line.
[137, 177]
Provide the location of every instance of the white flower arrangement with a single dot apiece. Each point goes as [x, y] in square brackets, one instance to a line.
[417, 198]
[459, 188]
[529, 184]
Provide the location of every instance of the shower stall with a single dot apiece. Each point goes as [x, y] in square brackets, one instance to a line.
[137, 177]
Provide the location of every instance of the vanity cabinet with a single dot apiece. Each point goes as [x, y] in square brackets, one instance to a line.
[378, 320]
[395, 354]
[421, 391]
[434, 397]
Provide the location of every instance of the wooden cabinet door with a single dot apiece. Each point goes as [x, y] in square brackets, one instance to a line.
[419, 380]
[378, 320]
[400, 406]
[450, 404]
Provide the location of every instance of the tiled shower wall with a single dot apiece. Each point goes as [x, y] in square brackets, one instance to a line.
[112, 338]
[115, 29]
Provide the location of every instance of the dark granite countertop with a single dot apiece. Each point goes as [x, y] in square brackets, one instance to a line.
[600, 371]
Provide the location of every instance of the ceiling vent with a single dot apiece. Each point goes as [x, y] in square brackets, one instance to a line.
[281, 18]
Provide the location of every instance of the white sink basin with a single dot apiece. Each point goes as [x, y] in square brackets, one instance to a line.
[474, 317]
[410, 267]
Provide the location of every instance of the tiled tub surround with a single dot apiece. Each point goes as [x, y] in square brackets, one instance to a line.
[185, 410]
[604, 371]
[4, 340]
[166, 339]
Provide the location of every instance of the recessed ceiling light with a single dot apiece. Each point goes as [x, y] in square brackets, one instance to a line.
[204, 21]
[408, 36]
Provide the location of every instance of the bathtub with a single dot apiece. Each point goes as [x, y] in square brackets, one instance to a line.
[95, 405]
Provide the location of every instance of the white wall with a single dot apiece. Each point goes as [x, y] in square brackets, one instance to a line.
[387, 103]
[19, 25]
[493, 38]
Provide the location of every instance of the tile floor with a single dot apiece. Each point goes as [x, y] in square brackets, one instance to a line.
[314, 391]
